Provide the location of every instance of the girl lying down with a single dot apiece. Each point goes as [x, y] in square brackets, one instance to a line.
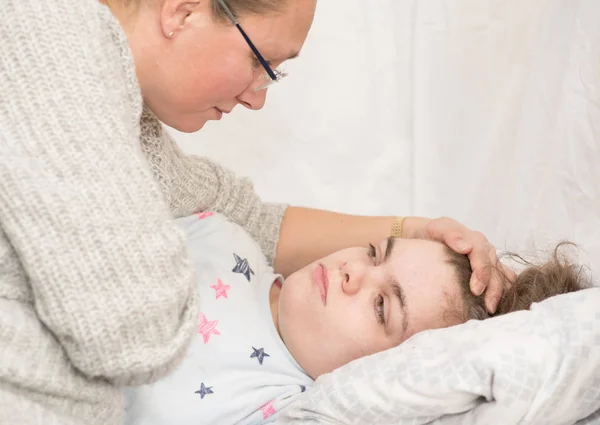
[262, 341]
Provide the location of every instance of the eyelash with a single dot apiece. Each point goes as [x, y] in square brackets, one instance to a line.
[256, 63]
[380, 308]
[379, 300]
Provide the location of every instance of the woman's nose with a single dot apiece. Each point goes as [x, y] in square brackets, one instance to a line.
[251, 99]
[352, 277]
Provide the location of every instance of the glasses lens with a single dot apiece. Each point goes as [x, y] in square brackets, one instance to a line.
[266, 81]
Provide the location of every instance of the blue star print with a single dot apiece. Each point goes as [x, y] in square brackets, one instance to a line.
[242, 267]
[204, 390]
[302, 388]
[259, 354]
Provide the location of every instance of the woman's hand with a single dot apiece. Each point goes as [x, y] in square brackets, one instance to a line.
[489, 274]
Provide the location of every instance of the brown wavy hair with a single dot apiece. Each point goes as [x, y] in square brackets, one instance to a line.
[535, 283]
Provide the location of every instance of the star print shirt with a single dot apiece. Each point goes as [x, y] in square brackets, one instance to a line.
[237, 369]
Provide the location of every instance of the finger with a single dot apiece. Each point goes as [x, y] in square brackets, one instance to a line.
[503, 277]
[494, 291]
[433, 231]
[491, 304]
[478, 239]
[481, 261]
[453, 234]
[500, 280]
[458, 244]
[478, 281]
[439, 229]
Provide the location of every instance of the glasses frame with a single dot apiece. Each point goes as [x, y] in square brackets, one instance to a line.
[274, 75]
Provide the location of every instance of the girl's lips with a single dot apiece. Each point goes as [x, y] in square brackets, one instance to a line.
[322, 282]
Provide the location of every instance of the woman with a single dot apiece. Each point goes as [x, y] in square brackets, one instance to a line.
[95, 284]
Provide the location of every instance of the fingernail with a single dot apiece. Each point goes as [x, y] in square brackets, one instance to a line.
[492, 306]
[462, 245]
[478, 288]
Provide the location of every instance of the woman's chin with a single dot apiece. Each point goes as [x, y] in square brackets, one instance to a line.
[190, 127]
[186, 124]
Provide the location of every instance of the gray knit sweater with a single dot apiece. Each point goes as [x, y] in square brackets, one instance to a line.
[96, 290]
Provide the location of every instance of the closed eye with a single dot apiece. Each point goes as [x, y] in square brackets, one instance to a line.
[256, 63]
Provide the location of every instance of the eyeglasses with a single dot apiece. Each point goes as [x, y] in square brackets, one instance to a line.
[271, 76]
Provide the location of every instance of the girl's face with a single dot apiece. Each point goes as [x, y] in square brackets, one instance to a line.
[206, 68]
[360, 301]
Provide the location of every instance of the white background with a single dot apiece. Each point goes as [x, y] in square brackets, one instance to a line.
[487, 111]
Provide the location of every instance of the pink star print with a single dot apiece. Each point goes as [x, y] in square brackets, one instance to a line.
[207, 328]
[268, 409]
[220, 289]
[204, 215]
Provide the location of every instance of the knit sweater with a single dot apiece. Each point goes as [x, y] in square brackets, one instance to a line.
[96, 288]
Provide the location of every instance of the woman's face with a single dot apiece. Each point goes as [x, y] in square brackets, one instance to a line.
[360, 301]
[206, 67]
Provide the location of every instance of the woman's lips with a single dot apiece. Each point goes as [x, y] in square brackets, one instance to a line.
[322, 282]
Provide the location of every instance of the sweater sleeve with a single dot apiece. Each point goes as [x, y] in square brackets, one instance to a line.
[107, 267]
[195, 183]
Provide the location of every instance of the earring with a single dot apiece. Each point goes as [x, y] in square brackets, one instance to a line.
[171, 34]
